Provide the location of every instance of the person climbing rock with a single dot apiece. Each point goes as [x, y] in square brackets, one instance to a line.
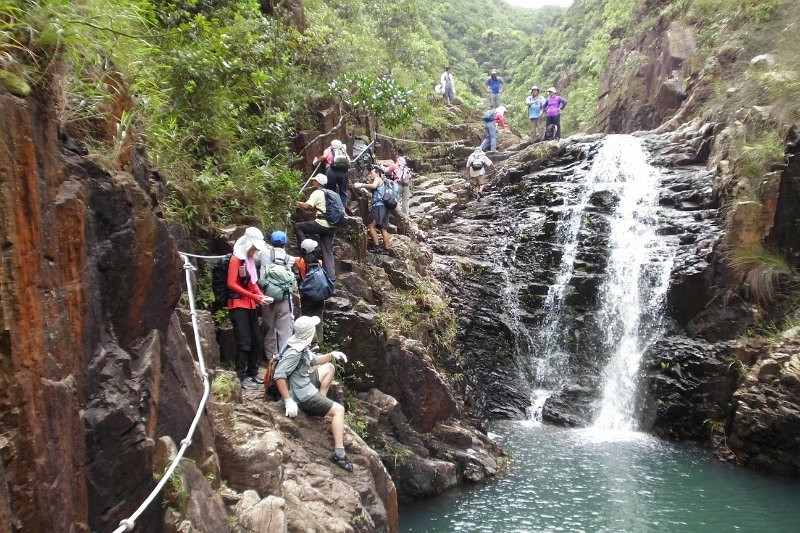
[499, 116]
[477, 163]
[402, 177]
[552, 108]
[320, 227]
[338, 162]
[535, 103]
[379, 214]
[489, 132]
[494, 88]
[306, 389]
[277, 281]
[243, 309]
[308, 306]
[448, 85]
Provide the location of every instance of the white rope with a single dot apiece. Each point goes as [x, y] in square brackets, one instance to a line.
[129, 523]
[455, 144]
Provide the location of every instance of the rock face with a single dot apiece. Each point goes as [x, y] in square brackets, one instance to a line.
[89, 280]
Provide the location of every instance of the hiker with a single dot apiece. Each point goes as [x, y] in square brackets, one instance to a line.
[477, 163]
[448, 85]
[489, 132]
[552, 109]
[243, 310]
[338, 163]
[277, 281]
[535, 103]
[499, 113]
[324, 230]
[494, 88]
[402, 177]
[309, 307]
[379, 214]
[306, 389]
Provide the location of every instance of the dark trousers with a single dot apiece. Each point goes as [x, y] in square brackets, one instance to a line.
[248, 341]
[338, 182]
[309, 307]
[325, 238]
[554, 120]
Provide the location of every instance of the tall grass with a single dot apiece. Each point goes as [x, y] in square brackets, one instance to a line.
[761, 273]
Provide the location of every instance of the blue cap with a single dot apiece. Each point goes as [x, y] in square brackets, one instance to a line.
[278, 237]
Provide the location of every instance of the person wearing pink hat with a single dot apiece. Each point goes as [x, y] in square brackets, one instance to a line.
[243, 302]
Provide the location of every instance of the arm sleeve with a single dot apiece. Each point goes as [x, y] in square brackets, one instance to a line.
[233, 274]
[564, 102]
[287, 364]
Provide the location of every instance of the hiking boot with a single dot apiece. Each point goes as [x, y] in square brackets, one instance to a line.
[342, 462]
[390, 252]
[249, 384]
[373, 249]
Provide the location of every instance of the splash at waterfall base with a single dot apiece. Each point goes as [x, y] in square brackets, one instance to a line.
[550, 293]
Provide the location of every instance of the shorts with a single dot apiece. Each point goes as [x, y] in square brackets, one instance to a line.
[480, 179]
[316, 405]
[379, 215]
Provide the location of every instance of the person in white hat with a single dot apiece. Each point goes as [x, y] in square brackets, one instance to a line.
[338, 162]
[535, 103]
[320, 227]
[309, 307]
[243, 303]
[553, 107]
[306, 389]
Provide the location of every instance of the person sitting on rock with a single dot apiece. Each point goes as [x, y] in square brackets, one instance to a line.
[379, 214]
[306, 389]
[477, 163]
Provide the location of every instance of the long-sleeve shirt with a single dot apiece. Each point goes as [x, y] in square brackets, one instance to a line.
[554, 105]
[249, 291]
[444, 80]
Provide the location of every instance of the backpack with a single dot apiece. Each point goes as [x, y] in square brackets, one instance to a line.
[551, 132]
[340, 159]
[389, 196]
[269, 373]
[219, 284]
[405, 176]
[316, 286]
[276, 280]
[489, 116]
[334, 210]
[475, 163]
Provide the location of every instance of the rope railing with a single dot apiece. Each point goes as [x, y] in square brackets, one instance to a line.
[454, 144]
[129, 523]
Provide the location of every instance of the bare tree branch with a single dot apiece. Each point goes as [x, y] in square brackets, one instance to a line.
[321, 135]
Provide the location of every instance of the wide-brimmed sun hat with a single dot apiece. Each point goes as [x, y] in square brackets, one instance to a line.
[552, 90]
[535, 88]
[304, 328]
[252, 237]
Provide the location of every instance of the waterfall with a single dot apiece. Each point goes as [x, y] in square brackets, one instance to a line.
[637, 278]
[632, 293]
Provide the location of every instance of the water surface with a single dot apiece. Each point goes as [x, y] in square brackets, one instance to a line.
[600, 481]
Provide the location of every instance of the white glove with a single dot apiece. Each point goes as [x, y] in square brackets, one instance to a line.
[339, 356]
[358, 185]
[291, 407]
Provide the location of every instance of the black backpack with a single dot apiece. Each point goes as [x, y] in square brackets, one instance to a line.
[219, 284]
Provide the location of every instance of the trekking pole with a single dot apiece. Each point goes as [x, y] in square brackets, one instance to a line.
[313, 173]
[362, 151]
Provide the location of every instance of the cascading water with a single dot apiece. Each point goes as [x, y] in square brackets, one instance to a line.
[635, 282]
[637, 278]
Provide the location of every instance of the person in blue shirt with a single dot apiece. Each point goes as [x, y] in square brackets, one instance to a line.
[494, 87]
[535, 103]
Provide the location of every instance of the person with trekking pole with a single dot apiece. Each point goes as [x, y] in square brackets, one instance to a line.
[338, 163]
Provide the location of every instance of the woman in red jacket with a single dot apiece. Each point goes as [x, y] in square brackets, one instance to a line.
[243, 302]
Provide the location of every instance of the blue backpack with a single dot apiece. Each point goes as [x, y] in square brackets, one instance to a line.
[489, 116]
[316, 286]
[334, 210]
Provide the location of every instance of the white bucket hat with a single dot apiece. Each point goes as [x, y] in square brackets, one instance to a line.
[304, 328]
[336, 143]
[252, 237]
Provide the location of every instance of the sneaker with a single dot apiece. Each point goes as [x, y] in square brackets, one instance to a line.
[249, 384]
[257, 379]
[342, 462]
